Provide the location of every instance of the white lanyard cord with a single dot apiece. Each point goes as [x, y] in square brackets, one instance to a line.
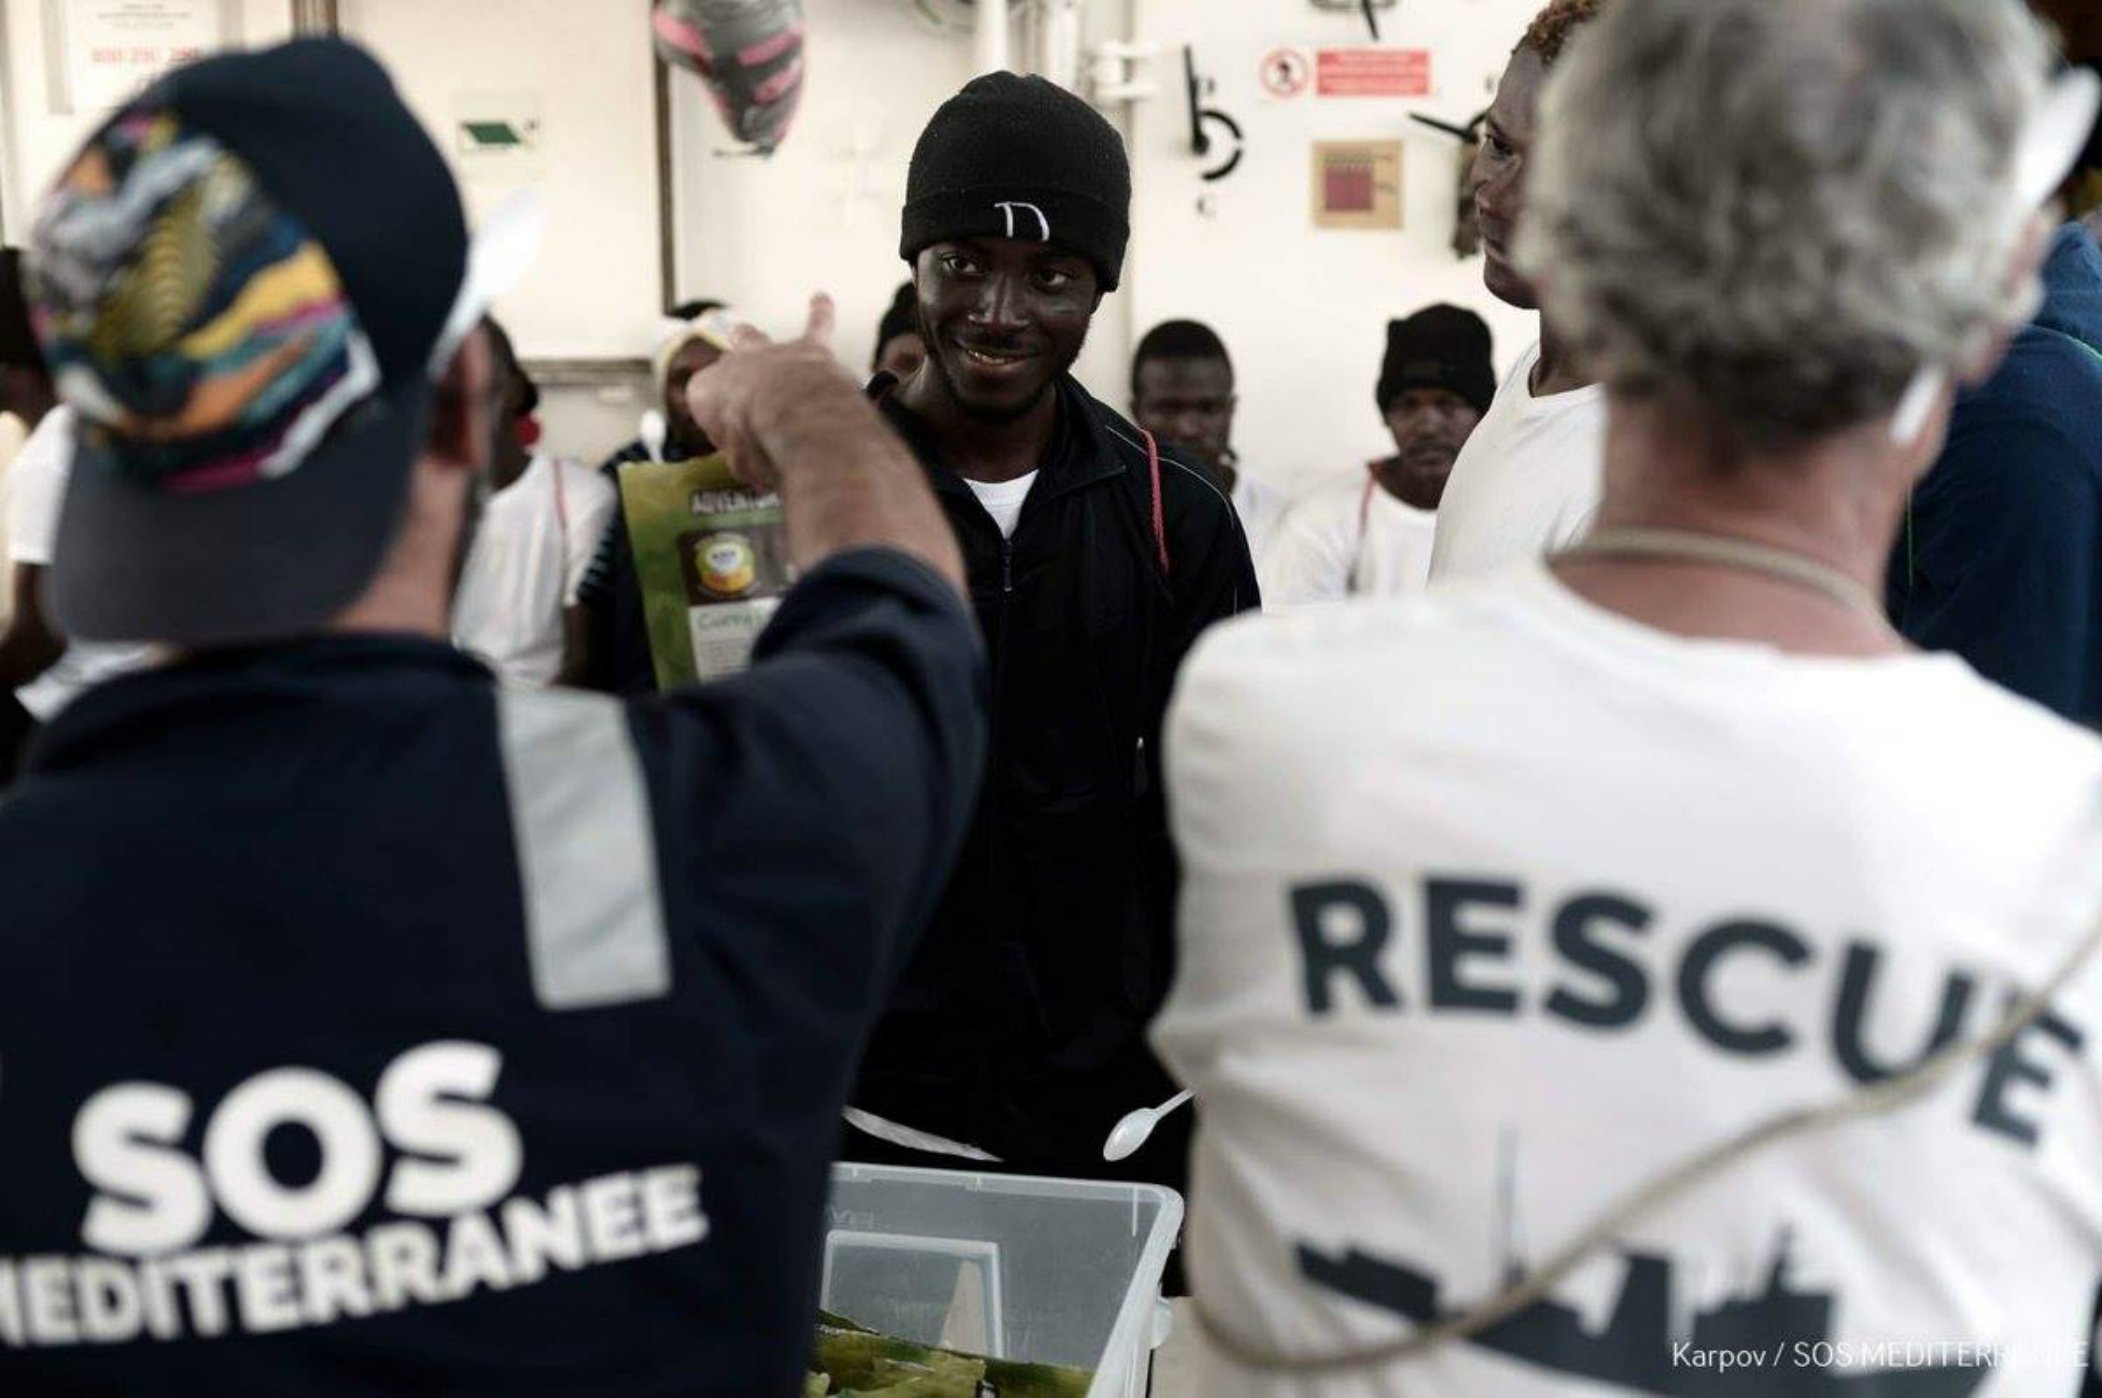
[1357, 559]
[1723, 551]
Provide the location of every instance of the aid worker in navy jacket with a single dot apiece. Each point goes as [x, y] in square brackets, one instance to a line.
[365, 1028]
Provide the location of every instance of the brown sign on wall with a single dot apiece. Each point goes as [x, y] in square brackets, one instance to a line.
[1357, 184]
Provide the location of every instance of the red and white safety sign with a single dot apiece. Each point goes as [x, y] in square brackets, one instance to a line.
[1369, 72]
[1286, 73]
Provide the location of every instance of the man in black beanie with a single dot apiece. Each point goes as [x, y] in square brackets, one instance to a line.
[1373, 535]
[1095, 559]
[1436, 381]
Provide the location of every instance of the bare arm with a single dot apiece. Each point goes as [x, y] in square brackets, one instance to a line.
[788, 416]
[576, 647]
[29, 647]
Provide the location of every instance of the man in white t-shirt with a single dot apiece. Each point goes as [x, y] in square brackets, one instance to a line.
[14, 433]
[535, 541]
[41, 670]
[1182, 391]
[1372, 537]
[1528, 481]
[48, 671]
[26, 390]
[1641, 851]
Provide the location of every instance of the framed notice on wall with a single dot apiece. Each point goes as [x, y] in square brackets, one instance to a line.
[1357, 184]
[101, 53]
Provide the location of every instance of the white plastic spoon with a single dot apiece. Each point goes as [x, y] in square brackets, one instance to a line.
[1136, 1128]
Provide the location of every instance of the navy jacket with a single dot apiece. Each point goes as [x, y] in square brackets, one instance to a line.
[367, 1029]
[2001, 557]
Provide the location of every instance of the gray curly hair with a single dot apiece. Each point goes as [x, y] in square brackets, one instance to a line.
[1779, 210]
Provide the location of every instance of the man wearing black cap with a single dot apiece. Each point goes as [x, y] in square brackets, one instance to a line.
[1373, 537]
[1095, 559]
[365, 1027]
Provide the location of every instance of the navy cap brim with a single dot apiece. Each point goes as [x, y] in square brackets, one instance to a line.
[249, 563]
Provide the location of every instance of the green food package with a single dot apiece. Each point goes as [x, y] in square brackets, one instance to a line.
[858, 1363]
[711, 557]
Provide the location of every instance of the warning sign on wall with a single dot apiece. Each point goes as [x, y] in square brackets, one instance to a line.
[1286, 73]
[1373, 73]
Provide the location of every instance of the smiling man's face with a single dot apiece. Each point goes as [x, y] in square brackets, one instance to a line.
[1003, 319]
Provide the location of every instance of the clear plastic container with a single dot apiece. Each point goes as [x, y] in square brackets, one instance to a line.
[1036, 1270]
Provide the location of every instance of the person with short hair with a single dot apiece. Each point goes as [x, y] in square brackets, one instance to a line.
[609, 647]
[1182, 391]
[1527, 482]
[366, 1026]
[899, 349]
[41, 670]
[1558, 948]
[1096, 557]
[535, 538]
[1372, 537]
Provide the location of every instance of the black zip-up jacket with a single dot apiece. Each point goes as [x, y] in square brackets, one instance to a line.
[1020, 1025]
[619, 649]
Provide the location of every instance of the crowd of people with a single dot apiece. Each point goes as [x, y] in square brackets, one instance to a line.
[1628, 897]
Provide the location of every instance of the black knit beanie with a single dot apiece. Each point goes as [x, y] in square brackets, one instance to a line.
[18, 346]
[1439, 347]
[1015, 157]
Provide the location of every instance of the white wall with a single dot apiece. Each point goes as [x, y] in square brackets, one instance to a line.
[581, 69]
[1304, 311]
[822, 213]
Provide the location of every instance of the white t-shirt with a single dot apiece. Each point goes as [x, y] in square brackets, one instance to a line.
[36, 495]
[1527, 482]
[1567, 900]
[1003, 500]
[532, 550]
[1350, 540]
[1262, 509]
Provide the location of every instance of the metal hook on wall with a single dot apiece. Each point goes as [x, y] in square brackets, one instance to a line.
[1201, 116]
